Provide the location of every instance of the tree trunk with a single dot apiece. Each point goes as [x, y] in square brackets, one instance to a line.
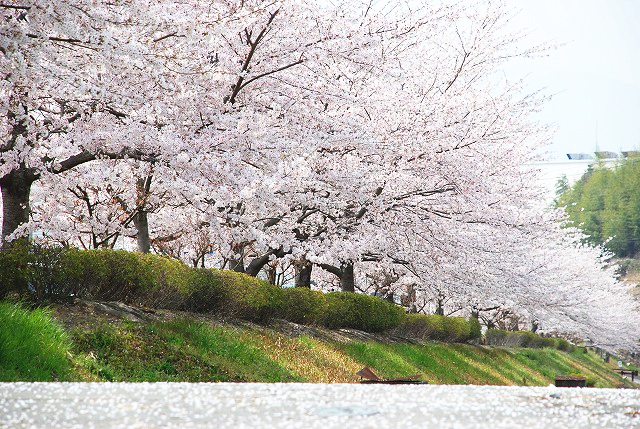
[272, 273]
[344, 273]
[236, 265]
[141, 219]
[440, 306]
[347, 281]
[534, 326]
[141, 223]
[303, 274]
[254, 267]
[16, 189]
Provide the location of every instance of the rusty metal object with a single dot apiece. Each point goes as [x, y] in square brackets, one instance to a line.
[570, 381]
[367, 376]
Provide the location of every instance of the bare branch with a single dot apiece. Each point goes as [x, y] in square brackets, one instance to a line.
[245, 66]
[166, 36]
[11, 6]
[300, 61]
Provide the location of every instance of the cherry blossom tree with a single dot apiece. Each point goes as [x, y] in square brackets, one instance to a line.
[99, 204]
[377, 142]
[72, 78]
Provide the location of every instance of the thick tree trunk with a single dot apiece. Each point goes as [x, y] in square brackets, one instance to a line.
[16, 189]
[303, 274]
[236, 265]
[475, 313]
[440, 306]
[347, 280]
[534, 326]
[255, 266]
[344, 273]
[141, 223]
[141, 219]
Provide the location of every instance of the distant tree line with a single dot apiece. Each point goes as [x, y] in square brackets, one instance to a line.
[605, 205]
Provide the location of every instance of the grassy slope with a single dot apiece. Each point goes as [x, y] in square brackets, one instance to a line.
[31, 346]
[187, 350]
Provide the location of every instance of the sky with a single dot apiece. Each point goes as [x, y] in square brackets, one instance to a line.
[594, 77]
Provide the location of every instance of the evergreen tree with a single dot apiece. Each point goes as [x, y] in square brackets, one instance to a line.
[605, 205]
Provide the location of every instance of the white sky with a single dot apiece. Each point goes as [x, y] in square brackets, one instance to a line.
[595, 76]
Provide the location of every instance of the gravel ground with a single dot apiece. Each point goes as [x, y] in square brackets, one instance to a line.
[308, 406]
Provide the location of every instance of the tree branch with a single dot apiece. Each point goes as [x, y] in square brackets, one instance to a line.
[258, 263]
[300, 61]
[166, 36]
[331, 269]
[245, 66]
[86, 156]
[10, 6]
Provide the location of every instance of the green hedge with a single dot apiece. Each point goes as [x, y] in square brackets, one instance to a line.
[42, 274]
[499, 337]
[247, 297]
[424, 327]
[363, 312]
[303, 306]
[33, 269]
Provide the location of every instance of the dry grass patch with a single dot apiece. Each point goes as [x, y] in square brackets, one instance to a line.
[312, 360]
[483, 371]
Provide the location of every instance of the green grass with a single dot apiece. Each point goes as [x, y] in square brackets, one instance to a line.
[180, 350]
[465, 364]
[32, 346]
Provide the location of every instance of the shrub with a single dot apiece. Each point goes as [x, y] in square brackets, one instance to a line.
[423, 327]
[457, 329]
[589, 381]
[247, 297]
[557, 343]
[475, 329]
[46, 281]
[15, 268]
[363, 312]
[528, 339]
[104, 274]
[302, 305]
[564, 345]
[204, 291]
[86, 272]
[33, 272]
[161, 282]
[134, 278]
[498, 337]
[495, 337]
[39, 273]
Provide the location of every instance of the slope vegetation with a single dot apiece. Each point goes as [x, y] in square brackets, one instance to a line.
[98, 342]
